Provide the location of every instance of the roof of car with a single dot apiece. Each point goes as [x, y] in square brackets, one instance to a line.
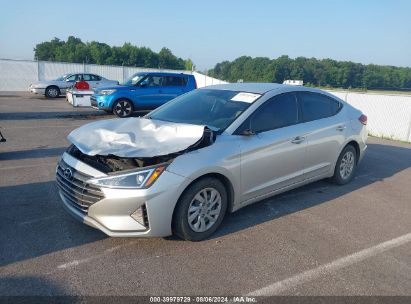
[163, 73]
[251, 87]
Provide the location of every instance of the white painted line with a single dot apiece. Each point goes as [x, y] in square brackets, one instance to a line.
[29, 166]
[309, 275]
[74, 263]
[37, 220]
[51, 126]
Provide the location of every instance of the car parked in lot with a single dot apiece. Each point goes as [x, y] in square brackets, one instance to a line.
[57, 87]
[183, 166]
[143, 91]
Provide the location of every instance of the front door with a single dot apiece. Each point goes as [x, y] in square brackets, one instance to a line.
[149, 95]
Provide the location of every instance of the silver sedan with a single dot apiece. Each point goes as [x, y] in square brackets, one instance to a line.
[182, 167]
[57, 87]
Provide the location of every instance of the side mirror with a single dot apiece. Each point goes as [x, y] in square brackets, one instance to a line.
[247, 132]
[143, 85]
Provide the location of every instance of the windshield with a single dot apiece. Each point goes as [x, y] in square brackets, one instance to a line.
[61, 78]
[133, 80]
[214, 108]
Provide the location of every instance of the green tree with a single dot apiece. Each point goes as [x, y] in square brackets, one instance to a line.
[75, 50]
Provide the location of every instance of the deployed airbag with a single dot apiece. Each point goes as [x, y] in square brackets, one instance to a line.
[135, 137]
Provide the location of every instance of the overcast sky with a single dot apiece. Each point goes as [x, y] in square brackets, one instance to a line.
[366, 31]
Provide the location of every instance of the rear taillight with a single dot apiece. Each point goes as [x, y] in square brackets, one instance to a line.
[363, 119]
[195, 84]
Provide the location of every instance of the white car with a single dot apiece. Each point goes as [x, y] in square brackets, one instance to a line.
[57, 87]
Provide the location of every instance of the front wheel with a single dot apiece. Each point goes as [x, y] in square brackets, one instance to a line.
[345, 166]
[200, 210]
[123, 108]
[52, 92]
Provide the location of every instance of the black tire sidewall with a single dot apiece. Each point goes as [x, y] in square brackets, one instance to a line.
[51, 87]
[180, 225]
[337, 176]
[119, 100]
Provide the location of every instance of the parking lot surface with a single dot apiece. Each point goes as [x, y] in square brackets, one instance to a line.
[321, 239]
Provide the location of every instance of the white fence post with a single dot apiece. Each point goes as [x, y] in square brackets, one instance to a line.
[409, 130]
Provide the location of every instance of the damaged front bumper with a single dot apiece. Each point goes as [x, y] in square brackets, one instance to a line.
[119, 212]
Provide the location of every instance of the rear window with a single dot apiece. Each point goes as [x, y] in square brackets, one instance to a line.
[174, 81]
[316, 106]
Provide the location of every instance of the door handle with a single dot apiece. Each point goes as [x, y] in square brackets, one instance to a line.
[341, 128]
[298, 140]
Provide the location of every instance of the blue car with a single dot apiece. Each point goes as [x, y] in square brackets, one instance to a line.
[142, 92]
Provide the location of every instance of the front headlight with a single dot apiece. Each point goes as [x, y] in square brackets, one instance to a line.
[107, 92]
[133, 180]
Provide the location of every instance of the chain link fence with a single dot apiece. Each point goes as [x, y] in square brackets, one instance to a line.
[389, 116]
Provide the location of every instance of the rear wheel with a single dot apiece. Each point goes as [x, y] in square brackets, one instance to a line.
[345, 166]
[52, 92]
[200, 210]
[123, 108]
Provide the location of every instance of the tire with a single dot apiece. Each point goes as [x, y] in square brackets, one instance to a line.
[52, 92]
[209, 216]
[123, 108]
[346, 166]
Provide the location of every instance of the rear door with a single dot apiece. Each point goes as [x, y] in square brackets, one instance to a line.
[325, 127]
[274, 157]
[173, 86]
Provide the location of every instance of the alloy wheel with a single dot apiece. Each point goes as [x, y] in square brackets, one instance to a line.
[52, 92]
[347, 165]
[123, 108]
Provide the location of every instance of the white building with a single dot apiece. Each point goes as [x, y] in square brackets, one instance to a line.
[294, 82]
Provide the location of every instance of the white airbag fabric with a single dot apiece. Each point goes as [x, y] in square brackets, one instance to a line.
[135, 137]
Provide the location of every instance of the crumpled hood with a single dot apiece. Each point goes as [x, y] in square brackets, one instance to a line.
[134, 137]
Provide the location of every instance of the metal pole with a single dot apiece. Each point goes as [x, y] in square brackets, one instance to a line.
[205, 78]
[409, 131]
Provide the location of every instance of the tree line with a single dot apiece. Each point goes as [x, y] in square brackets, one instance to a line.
[314, 72]
[75, 50]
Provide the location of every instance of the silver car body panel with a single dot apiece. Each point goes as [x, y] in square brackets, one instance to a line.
[135, 137]
[112, 215]
[253, 167]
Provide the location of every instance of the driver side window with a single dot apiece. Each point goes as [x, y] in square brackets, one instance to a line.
[277, 112]
[153, 81]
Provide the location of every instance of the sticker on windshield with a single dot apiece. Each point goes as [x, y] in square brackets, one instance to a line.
[245, 97]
